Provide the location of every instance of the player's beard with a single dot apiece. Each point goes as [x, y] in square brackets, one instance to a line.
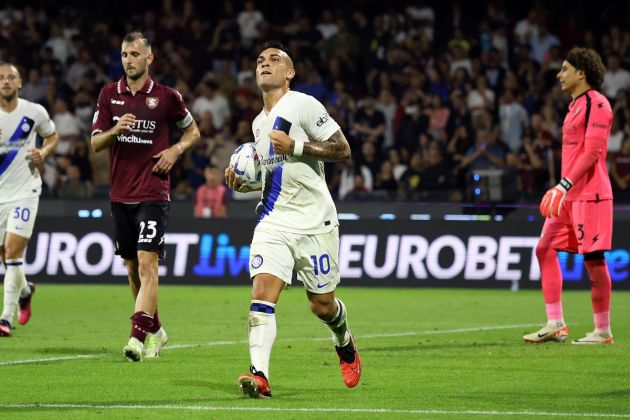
[10, 97]
[138, 75]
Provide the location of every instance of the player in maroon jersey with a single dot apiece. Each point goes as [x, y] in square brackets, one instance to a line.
[578, 210]
[132, 119]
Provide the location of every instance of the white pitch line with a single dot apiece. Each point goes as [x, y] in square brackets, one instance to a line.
[313, 410]
[50, 359]
[232, 342]
[453, 331]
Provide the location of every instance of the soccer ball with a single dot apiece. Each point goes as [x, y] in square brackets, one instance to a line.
[246, 165]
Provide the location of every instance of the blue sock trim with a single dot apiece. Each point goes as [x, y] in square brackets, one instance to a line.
[14, 263]
[261, 307]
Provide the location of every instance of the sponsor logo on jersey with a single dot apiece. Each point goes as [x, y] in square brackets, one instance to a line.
[133, 139]
[152, 102]
[273, 160]
[117, 102]
[599, 125]
[323, 120]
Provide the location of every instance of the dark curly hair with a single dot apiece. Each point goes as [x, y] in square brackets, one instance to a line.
[587, 60]
[277, 45]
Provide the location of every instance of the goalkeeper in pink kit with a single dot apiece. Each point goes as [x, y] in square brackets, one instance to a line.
[579, 209]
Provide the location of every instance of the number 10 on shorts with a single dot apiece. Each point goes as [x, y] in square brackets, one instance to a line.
[321, 264]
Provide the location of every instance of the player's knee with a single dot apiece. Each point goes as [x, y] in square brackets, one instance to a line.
[543, 251]
[323, 310]
[12, 251]
[147, 271]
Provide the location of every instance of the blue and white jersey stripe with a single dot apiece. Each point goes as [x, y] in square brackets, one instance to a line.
[19, 178]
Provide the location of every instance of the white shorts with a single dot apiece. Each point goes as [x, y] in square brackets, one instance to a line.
[315, 258]
[18, 217]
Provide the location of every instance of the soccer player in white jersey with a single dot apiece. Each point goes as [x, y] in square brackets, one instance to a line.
[20, 186]
[297, 221]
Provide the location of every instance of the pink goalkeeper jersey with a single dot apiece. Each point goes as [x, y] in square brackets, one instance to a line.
[585, 133]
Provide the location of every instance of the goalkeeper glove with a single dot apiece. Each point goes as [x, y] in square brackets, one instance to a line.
[553, 198]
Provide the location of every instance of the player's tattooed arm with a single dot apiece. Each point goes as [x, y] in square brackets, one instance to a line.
[334, 149]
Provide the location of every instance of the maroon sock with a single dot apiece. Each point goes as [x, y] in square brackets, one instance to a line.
[140, 325]
[156, 323]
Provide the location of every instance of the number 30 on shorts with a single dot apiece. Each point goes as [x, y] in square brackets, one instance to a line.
[23, 213]
[321, 264]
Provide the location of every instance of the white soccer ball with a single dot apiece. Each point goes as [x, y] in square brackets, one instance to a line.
[246, 165]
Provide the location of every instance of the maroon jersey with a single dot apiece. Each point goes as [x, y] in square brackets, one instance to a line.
[155, 106]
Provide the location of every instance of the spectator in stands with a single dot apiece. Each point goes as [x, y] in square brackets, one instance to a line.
[359, 191]
[435, 178]
[620, 171]
[249, 21]
[34, 89]
[616, 77]
[211, 102]
[385, 184]
[512, 120]
[347, 178]
[481, 97]
[327, 26]
[398, 168]
[211, 197]
[409, 185]
[541, 43]
[438, 117]
[72, 186]
[530, 162]
[485, 154]
[68, 126]
[369, 123]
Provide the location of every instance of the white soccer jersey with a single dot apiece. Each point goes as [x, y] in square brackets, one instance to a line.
[19, 178]
[295, 195]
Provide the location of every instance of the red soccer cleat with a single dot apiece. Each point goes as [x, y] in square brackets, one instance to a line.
[5, 328]
[254, 385]
[350, 363]
[24, 306]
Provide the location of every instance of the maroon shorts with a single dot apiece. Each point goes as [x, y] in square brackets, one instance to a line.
[581, 227]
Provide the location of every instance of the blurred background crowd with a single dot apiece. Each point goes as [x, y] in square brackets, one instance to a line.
[435, 98]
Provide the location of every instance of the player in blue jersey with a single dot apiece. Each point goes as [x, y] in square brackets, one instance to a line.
[20, 186]
[297, 224]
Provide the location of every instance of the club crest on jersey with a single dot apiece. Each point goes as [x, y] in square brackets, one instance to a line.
[257, 261]
[152, 102]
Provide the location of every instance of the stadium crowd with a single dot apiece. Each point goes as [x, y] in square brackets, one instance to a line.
[428, 95]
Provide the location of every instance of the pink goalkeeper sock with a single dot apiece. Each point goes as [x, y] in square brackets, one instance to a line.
[554, 311]
[602, 320]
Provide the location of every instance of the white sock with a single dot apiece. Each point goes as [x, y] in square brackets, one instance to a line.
[556, 323]
[339, 325]
[26, 290]
[262, 334]
[14, 280]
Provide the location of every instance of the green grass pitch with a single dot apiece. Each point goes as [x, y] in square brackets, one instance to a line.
[427, 353]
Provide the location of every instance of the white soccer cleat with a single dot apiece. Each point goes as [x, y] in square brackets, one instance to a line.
[553, 332]
[595, 337]
[154, 344]
[133, 350]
